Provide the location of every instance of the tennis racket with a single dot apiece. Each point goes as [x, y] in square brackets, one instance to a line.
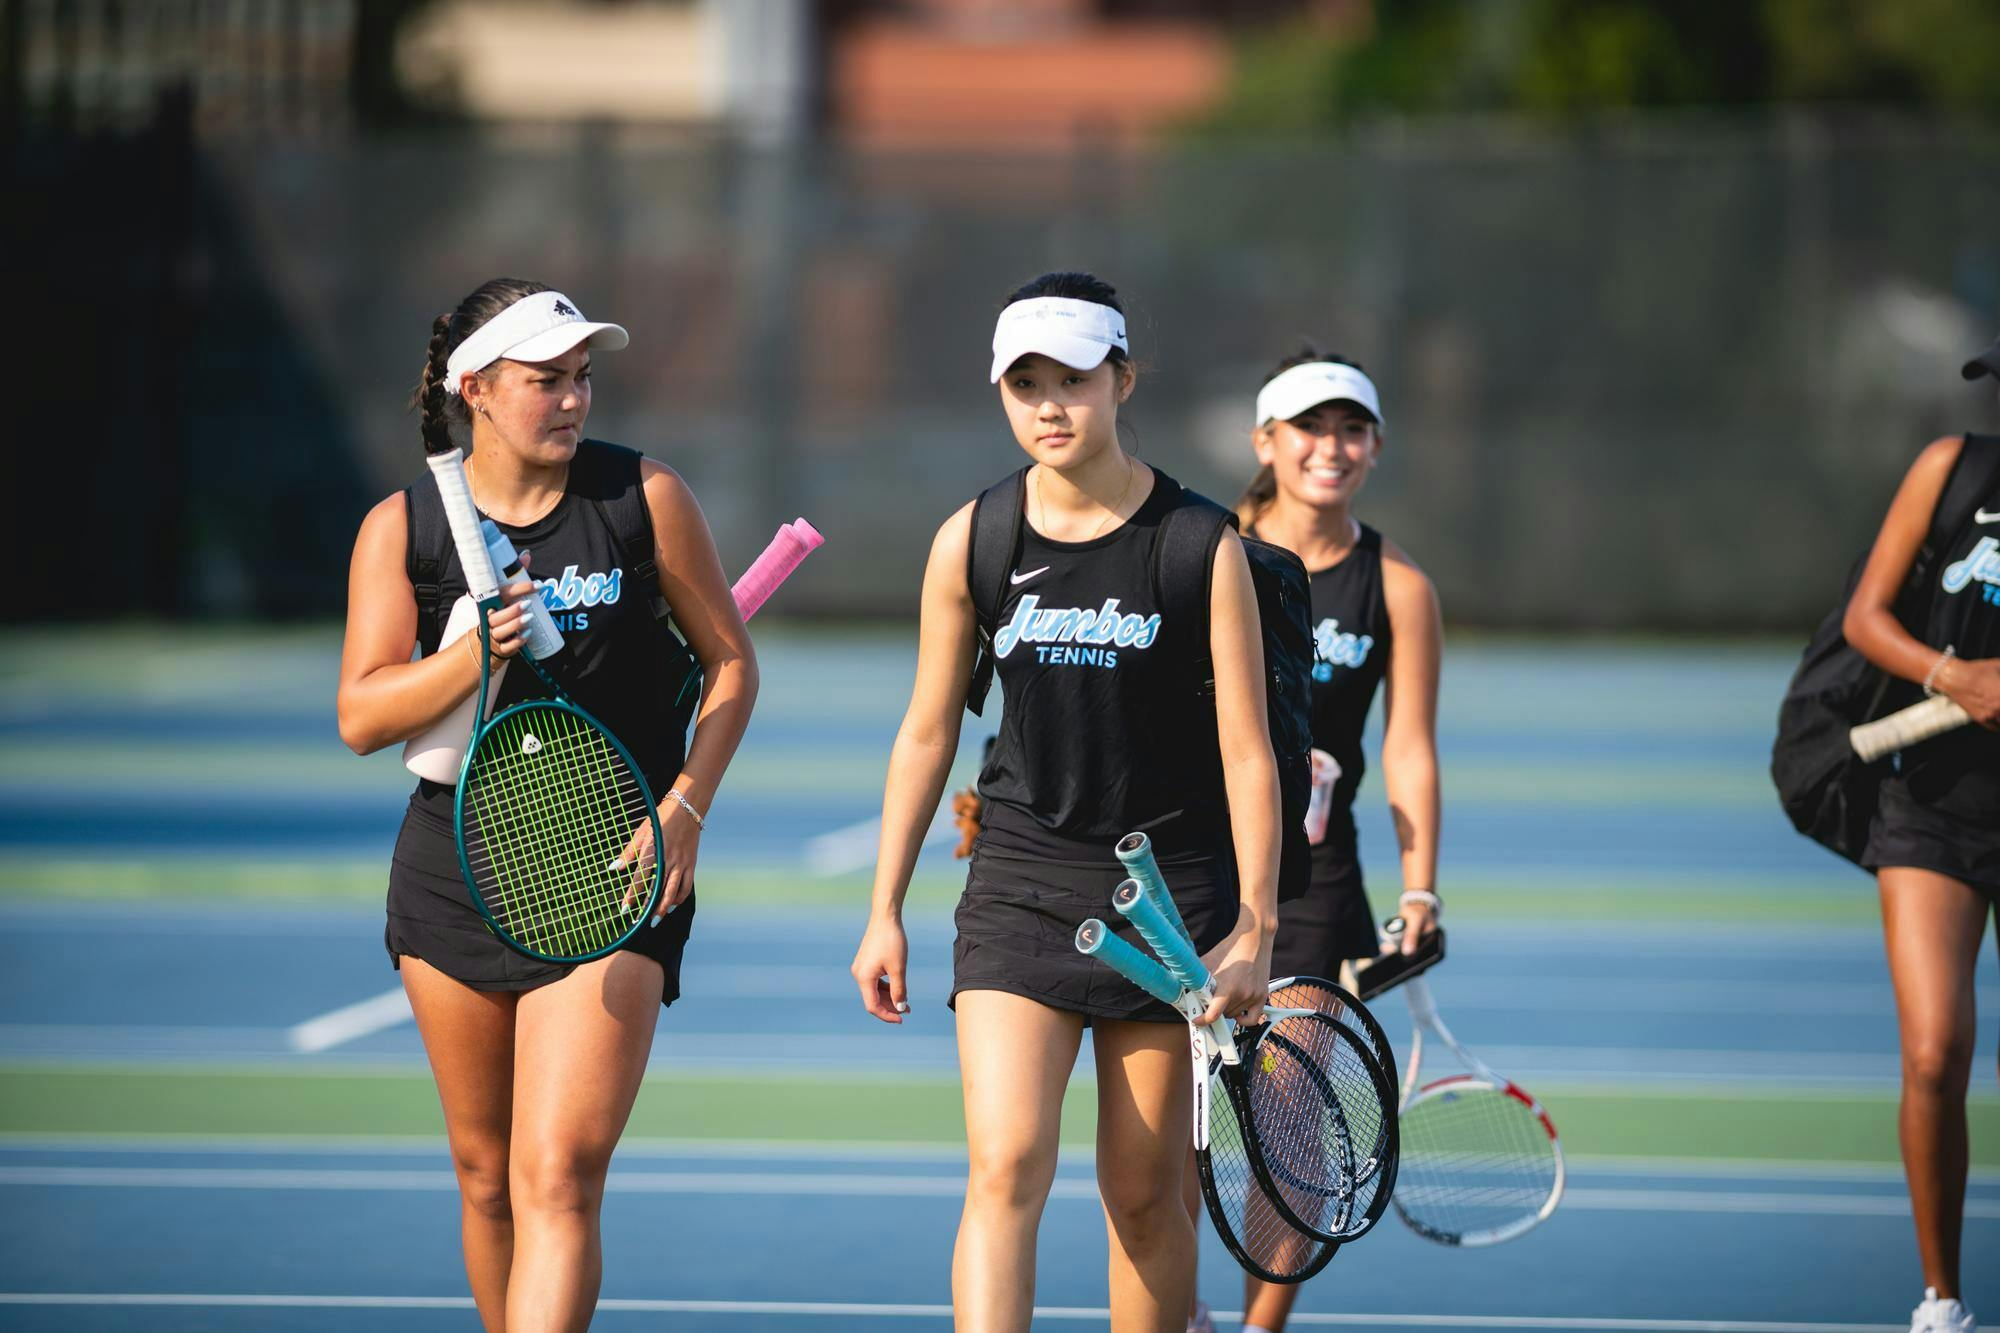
[1905, 727]
[1279, 1160]
[548, 799]
[1480, 1159]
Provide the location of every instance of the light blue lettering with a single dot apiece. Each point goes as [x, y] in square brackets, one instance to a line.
[1981, 563]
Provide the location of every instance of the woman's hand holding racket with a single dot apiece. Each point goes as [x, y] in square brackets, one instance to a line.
[1239, 971]
[1975, 687]
[680, 841]
[507, 625]
[881, 969]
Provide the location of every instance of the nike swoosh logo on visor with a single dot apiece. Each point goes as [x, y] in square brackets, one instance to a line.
[1983, 517]
[1018, 578]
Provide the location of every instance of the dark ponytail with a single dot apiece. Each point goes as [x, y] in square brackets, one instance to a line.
[1263, 487]
[440, 411]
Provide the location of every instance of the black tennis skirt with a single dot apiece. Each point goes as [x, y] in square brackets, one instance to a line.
[1909, 830]
[1017, 930]
[1330, 922]
[431, 917]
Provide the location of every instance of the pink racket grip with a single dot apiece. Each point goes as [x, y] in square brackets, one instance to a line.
[788, 549]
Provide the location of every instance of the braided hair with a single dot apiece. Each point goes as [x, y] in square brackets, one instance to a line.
[440, 411]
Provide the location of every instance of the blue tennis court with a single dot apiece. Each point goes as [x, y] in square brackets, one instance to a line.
[216, 1114]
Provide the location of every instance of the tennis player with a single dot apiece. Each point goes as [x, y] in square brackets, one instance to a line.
[1375, 618]
[1935, 842]
[1098, 738]
[537, 1064]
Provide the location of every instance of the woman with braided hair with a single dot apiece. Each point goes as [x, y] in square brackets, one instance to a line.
[537, 1064]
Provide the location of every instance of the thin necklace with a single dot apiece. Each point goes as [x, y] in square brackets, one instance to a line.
[472, 482]
[1043, 525]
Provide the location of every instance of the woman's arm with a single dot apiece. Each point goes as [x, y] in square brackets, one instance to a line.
[384, 696]
[1870, 623]
[1409, 738]
[692, 581]
[1242, 962]
[919, 763]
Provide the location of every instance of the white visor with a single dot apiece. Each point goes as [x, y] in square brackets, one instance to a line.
[1303, 388]
[1080, 334]
[535, 328]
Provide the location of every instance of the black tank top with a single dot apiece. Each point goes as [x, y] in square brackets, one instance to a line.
[1351, 643]
[616, 653]
[1099, 735]
[1959, 772]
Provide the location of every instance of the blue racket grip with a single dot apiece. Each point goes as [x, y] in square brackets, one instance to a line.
[1173, 946]
[1135, 853]
[1095, 940]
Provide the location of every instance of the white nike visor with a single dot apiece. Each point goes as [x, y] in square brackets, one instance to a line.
[535, 328]
[1305, 387]
[1080, 334]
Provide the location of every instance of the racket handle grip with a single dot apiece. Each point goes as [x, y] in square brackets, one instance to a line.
[1095, 940]
[481, 579]
[1135, 853]
[788, 549]
[1905, 727]
[1172, 945]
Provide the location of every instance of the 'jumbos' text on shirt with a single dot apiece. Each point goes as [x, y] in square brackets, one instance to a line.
[1981, 565]
[569, 593]
[1099, 630]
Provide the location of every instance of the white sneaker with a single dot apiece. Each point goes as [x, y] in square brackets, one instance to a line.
[1201, 1322]
[1938, 1315]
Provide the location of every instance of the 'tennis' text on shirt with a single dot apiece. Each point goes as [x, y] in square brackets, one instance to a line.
[1075, 635]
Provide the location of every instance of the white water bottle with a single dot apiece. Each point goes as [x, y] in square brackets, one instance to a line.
[543, 639]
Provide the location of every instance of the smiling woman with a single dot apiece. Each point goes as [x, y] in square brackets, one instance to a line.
[537, 1063]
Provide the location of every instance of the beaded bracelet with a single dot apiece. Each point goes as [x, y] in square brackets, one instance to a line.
[1930, 677]
[1424, 896]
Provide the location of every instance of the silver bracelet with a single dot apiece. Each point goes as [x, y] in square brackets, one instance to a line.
[1424, 896]
[693, 813]
[1930, 677]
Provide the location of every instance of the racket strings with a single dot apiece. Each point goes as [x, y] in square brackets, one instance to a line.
[550, 804]
[1321, 1121]
[1257, 1230]
[1474, 1159]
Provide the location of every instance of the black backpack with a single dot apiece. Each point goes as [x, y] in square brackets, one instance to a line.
[608, 476]
[1828, 793]
[1183, 560]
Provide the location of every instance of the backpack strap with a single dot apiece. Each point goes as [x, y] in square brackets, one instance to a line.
[1184, 566]
[617, 488]
[999, 518]
[426, 547]
[1973, 478]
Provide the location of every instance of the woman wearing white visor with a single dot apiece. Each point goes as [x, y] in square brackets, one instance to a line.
[537, 1064]
[1375, 620]
[1100, 736]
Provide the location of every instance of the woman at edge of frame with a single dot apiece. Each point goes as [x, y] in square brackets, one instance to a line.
[538, 1064]
[1376, 621]
[1935, 844]
[1106, 759]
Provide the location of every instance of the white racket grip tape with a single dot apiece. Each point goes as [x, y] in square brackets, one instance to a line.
[481, 579]
[437, 752]
[788, 549]
[1905, 727]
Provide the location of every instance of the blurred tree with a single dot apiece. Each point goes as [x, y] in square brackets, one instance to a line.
[1562, 58]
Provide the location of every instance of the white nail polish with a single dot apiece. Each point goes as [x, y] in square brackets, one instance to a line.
[902, 1007]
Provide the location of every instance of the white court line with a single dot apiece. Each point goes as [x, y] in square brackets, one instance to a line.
[349, 1022]
[848, 1185]
[853, 847]
[913, 1311]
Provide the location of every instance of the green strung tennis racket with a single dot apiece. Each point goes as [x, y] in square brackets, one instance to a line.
[550, 805]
